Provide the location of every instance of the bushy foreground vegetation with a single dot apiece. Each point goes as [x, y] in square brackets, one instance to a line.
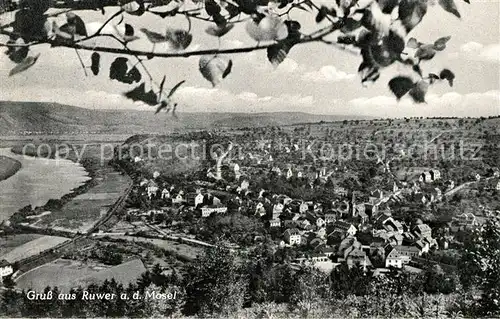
[219, 283]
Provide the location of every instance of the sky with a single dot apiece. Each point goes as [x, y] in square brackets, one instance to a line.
[315, 78]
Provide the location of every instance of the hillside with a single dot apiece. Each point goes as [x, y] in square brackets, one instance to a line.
[52, 118]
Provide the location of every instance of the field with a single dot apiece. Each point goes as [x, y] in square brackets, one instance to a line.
[182, 250]
[69, 274]
[8, 167]
[81, 212]
[32, 248]
[10, 242]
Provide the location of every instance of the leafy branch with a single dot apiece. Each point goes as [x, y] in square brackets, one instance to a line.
[372, 31]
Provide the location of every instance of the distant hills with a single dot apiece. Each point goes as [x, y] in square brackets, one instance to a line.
[53, 118]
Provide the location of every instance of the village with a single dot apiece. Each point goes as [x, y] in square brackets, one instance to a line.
[382, 227]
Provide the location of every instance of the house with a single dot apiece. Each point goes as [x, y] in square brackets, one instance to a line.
[498, 186]
[276, 170]
[410, 251]
[278, 209]
[345, 228]
[330, 218]
[423, 246]
[465, 219]
[275, 223]
[315, 219]
[194, 199]
[390, 224]
[377, 194]
[358, 257]
[422, 231]
[319, 258]
[328, 251]
[425, 177]
[304, 207]
[292, 236]
[437, 194]
[450, 184]
[5, 268]
[341, 191]
[207, 211]
[165, 193]
[178, 199]
[435, 174]
[289, 173]
[260, 210]
[395, 259]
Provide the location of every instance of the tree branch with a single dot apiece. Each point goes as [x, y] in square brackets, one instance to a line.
[313, 37]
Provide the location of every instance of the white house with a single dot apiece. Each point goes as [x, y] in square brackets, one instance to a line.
[292, 236]
[275, 223]
[209, 210]
[5, 268]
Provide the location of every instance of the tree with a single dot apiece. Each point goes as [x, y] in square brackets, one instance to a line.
[214, 285]
[370, 30]
[481, 265]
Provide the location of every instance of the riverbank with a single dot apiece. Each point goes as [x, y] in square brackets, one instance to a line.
[78, 210]
[8, 167]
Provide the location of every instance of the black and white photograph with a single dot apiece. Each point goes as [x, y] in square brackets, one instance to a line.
[254, 159]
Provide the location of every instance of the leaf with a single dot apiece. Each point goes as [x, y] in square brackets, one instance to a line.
[118, 69]
[178, 39]
[219, 31]
[139, 94]
[322, 13]
[350, 25]
[136, 8]
[278, 52]
[268, 29]
[433, 78]
[419, 91]
[447, 75]
[25, 64]
[95, 66]
[425, 52]
[411, 12]
[161, 87]
[400, 85]
[133, 75]
[368, 72]
[440, 43]
[154, 37]
[450, 6]
[387, 6]
[77, 23]
[214, 68]
[413, 43]
[175, 88]
[129, 33]
[394, 43]
[417, 69]
[228, 69]
[212, 8]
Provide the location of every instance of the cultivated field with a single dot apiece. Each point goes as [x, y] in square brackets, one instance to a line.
[81, 212]
[10, 242]
[33, 247]
[67, 274]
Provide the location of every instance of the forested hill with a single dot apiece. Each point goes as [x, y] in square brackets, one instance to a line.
[52, 118]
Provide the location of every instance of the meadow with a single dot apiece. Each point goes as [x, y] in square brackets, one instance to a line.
[32, 248]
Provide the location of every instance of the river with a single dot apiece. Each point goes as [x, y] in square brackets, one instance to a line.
[38, 180]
